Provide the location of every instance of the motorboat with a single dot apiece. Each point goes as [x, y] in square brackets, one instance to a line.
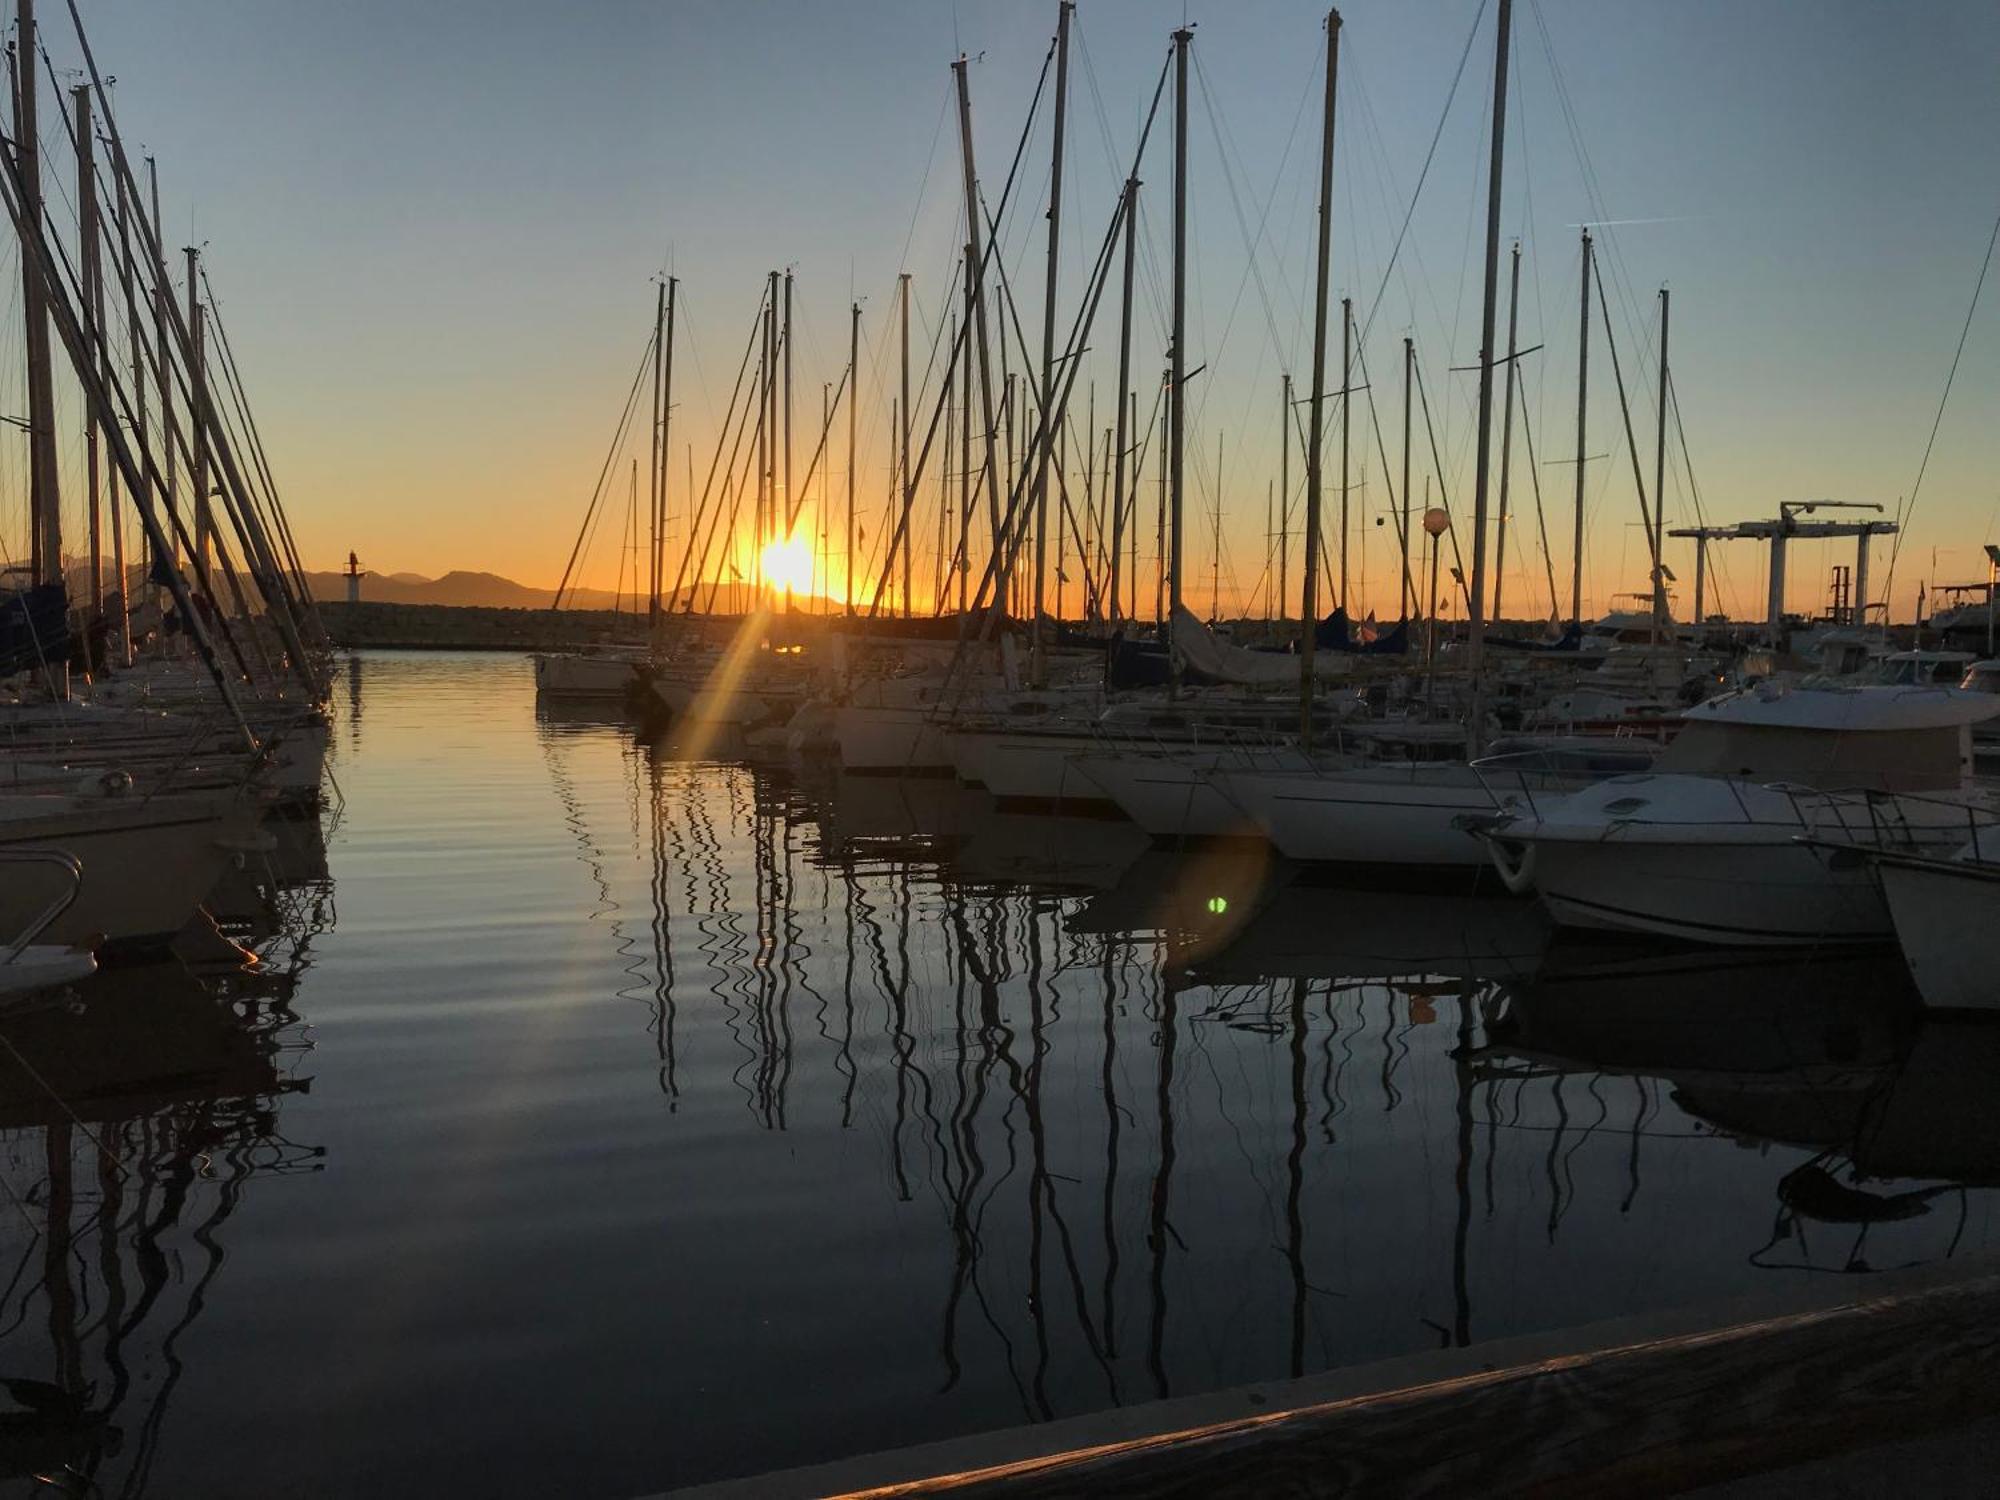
[1725, 840]
[1941, 905]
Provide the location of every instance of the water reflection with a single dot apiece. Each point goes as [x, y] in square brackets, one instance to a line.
[136, 1111]
[1148, 1122]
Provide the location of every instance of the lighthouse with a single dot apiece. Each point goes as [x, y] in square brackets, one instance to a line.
[354, 577]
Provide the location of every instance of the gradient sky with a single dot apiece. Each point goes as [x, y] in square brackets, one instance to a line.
[432, 228]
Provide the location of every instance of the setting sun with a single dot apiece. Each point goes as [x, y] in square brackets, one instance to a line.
[788, 565]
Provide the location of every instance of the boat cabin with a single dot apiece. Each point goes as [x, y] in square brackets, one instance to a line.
[1925, 668]
[1879, 738]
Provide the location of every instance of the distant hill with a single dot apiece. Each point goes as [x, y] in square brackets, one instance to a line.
[458, 587]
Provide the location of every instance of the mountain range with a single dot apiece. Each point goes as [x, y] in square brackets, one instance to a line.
[458, 587]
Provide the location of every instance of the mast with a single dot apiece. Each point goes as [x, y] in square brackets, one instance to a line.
[903, 440]
[1506, 437]
[1475, 602]
[788, 507]
[1582, 408]
[1037, 652]
[44, 497]
[125, 278]
[653, 474]
[976, 270]
[1124, 394]
[820, 576]
[93, 310]
[1309, 605]
[1215, 553]
[666, 431]
[1176, 415]
[204, 521]
[1660, 485]
[1410, 600]
[162, 382]
[767, 436]
[1346, 409]
[1284, 486]
[853, 402]
[1160, 533]
[965, 438]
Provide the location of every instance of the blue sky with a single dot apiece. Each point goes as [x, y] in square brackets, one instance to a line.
[433, 226]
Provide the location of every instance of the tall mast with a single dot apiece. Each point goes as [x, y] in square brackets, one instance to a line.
[771, 431]
[1582, 410]
[1177, 350]
[666, 431]
[93, 309]
[45, 501]
[825, 428]
[853, 402]
[1309, 599]
[162, 381]
[968, 312]
[1410, 601]
[788, 506]
[204, 523]
[1215, 545]
[1346, 411]
[1037, 657]
[903, 438]
[975, 268]
[1118, 466]
[653, 473]
[759, 534]
[1475, 602]
[139, 498]
[1506, 437]
[1284, 488]
[1660, 485]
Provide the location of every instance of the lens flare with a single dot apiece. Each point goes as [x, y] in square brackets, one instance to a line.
[788, 565]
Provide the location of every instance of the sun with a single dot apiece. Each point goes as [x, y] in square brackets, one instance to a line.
[788, 565]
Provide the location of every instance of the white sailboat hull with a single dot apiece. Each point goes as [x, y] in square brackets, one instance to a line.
[741, 706]
[890, 740]
[1169, 796]
[584, 676]
[147, 865]
[1030, 768]
[1371, 816]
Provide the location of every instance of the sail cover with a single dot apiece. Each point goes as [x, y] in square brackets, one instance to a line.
[1219, 661]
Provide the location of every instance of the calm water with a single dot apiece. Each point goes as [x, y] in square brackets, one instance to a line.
[601, 1122]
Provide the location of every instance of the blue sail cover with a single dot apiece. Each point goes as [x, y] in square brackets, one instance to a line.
[34, 628]
[1334, 634]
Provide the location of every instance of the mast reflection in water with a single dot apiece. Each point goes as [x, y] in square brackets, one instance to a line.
[688, 1120]
[1139, 1123]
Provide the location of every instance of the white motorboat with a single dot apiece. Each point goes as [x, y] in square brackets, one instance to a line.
[1724, 841]
[1941, 908]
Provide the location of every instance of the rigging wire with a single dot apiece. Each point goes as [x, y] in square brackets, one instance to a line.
[1905, 510]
